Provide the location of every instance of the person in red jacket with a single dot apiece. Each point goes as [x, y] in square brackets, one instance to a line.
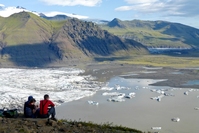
[47, 108]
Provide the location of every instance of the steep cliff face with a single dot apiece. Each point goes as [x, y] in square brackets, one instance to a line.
[28, 40]
[86, 38]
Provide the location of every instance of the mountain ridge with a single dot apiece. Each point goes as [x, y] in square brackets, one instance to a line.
[29, 40]
[155, 33]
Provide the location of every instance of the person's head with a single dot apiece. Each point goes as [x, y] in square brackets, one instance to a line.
[30, 97]
[46, 97]
[32, 101]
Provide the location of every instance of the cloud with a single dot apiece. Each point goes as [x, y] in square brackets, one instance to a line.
[7, 11]
[1, 5]
[73, 2]
[54, 13]
[166, 7]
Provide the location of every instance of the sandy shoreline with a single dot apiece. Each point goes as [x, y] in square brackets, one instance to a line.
[175, 77]
[140, 112]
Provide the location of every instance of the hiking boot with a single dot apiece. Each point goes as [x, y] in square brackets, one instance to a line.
[54, 119]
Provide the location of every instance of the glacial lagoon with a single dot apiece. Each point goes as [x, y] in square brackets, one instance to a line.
[123, 101]
[143, 111]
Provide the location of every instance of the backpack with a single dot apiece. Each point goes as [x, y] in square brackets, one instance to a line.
[1, 112]
[12, 113]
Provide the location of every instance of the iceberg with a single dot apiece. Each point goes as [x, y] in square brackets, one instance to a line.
[176, 119]
[93, 103]
[130, 95]
[196, 108]
[116, 99]
[156, 128]
[186, 93]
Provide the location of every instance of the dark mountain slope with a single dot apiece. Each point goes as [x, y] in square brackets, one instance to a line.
[117, 23]
[88, 38]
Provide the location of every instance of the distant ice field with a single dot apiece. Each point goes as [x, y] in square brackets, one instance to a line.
[62, 85]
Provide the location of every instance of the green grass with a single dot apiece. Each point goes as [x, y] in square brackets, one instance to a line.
[33, 28]
[105, 127]
[157, 61]
[148, 37]
[156, 33]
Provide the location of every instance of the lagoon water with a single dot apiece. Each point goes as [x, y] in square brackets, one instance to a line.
[192, 82]
[140, 112]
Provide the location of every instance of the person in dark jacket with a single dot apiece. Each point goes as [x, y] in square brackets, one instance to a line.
[32, 111]
[26, 104]
[47, 108]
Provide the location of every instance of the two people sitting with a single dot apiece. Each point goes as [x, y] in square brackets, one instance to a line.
[45, 110]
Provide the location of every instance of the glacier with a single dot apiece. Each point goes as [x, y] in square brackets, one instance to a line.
[62, 85]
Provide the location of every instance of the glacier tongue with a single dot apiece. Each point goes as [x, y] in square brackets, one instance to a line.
[62, 85]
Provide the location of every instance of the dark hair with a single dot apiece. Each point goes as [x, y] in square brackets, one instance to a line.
[32, 100]
[46, 96]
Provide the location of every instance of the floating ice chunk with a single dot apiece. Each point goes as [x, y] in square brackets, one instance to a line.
[154, 98]
[186, 93]
[111, 93]
[107, 88]
[159, 99]
[121, 95]
[118, 87]
[176, 119]
[93, 103]
[153, 90]
[130, 95]
[116, 99]
[196, 108]
[169, 94]
[156, 128]
[160, 92]
[190, 90]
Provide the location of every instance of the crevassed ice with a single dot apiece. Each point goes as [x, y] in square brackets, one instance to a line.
[62, 85]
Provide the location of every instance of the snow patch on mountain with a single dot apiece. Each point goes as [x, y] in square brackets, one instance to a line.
[1, 5]
[54, 13]
[7, 11]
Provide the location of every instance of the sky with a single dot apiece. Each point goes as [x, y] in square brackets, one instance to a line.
[180, 11]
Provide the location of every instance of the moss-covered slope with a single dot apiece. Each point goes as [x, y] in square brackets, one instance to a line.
[155, 33]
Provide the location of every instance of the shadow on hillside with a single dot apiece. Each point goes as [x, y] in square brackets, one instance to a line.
[182, 53]
[101, 59]
[161, 38]
[188, 35]
[100, 46]
[30, 55]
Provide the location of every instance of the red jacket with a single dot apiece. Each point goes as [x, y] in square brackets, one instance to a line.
[44, 104]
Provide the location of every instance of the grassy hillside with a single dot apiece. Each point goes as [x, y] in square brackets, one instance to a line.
[29, 40]
[25, 28]
[155, 33]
